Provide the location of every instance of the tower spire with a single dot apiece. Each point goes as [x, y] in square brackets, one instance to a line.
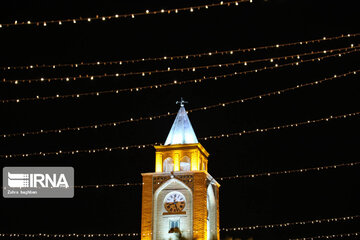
[181, 131]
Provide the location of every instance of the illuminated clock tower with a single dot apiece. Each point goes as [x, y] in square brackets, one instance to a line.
[180, 200]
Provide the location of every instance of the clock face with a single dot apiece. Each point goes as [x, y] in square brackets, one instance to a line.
[174, 202]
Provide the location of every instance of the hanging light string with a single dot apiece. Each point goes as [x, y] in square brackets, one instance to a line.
[255, 227]
[340, 235]
[291, 125]
[288, 224]
[139, 146]
[98, 18]
[264, 174]
[177, 57]
[175, 82]
[64, 235]
[204, 108]
[184, 69]
[301, 170]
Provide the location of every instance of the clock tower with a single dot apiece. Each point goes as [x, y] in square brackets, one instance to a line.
[180, 200]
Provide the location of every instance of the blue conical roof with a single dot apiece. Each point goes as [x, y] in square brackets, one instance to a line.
[181, 131]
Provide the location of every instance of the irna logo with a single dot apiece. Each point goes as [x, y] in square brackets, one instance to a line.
[38, 182]
[35, 180]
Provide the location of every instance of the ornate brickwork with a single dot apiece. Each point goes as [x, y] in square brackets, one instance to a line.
[146, 223]
[187, 179]
[199, 201]
[158, 181]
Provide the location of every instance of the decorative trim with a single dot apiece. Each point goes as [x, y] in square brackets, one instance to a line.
[187, 179]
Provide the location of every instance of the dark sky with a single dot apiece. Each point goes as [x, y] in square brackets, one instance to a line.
[243, 202]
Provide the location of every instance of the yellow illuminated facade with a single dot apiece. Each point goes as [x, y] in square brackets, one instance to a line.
[180, 199]
[181, 153]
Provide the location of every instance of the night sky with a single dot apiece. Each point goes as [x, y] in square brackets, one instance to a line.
[243, 202]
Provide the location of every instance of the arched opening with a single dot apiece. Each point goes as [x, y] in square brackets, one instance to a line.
[172, 226]
[203, 166]
[211, 214]
[168, 165]
[185, 164]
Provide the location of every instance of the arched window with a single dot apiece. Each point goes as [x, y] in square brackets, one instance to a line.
[185, 164]
[168, 165]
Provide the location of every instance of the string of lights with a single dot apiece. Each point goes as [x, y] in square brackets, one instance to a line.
[288, 224]
[140, 146]
[184, 69]
[340, 235]
[204, 108]
[301, 170]
[98, 18]
[246, 176]
[64, 235]
[177, 57]
[156, 86]
[255, 227]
